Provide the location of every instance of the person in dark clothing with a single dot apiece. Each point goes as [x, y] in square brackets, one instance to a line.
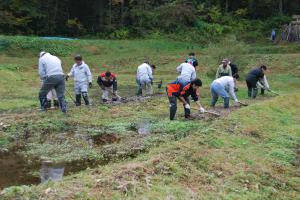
[108, 83]
[191, 57]
[252, 78]
[176, 90]
[235, 73]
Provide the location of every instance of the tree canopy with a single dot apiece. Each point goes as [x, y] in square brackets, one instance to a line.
[124, 18]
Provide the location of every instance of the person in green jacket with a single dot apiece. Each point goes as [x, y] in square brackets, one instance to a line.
[224, 69]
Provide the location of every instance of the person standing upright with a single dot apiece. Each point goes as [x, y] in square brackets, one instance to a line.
[82, 80]
[224, 69]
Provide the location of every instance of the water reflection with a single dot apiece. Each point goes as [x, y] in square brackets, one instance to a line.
[51, 172]
[143, 127]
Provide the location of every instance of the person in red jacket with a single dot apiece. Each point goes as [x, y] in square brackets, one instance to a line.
[108, 83]
[182, 92]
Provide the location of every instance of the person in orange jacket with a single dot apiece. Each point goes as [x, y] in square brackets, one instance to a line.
[182, 92]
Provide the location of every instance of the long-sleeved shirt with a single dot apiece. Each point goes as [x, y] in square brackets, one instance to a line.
[144, 71]
[49, 65]
[255, 75]
[223, 71]
[81, 73]
[228, 83]
[177, 90]
[234, 69]
[103, 81]
[263, 83]
[187, 72]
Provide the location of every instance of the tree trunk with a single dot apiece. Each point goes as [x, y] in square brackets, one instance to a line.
[226, 5]
[281, 7]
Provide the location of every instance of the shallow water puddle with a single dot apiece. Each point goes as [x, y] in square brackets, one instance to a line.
[15, 171]
[143, 127]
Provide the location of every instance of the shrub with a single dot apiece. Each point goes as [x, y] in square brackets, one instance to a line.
[227, 48]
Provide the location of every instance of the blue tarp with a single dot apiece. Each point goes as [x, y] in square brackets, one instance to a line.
[58, 38]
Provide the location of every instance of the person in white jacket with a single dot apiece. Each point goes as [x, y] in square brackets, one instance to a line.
[82, 80]
[223, 87]
[52, 76]
[187, 72]
[144, 78]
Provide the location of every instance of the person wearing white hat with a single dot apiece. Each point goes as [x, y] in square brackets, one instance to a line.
[52, 76]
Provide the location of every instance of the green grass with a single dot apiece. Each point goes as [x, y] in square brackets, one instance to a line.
[252, 154]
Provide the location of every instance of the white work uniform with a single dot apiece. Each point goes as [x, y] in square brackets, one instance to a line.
[82, 77]
[144, 78]
[187, 73]
[49, 65]
[228, 83]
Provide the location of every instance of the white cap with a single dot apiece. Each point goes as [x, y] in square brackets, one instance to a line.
[42, 53]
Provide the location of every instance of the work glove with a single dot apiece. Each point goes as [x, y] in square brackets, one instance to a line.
[187, 106]
[236, 103]
[67, 77]
[202, 110]
[90, 84]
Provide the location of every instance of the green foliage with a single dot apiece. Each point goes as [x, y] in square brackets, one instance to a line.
[227, 48]
[74, 27]
[127, 19]
[120, 34]
[284, 155]
[36, 44]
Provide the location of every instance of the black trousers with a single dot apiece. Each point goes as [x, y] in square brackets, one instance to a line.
[252, 88]
[173, 107]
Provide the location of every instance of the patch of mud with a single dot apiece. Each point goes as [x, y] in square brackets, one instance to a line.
[15, 170]
[105, 139]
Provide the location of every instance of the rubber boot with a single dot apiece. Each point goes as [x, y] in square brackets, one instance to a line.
[56, 104]
[86, 98]
[226, 102]
[213, 101]
[187, 113]
[43, 102]
[48, 104]
[249, 93]
[78, 99]
[173, 109]
[254, 93]
[63, 105]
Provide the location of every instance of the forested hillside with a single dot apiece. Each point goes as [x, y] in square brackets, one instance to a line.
[135, 18]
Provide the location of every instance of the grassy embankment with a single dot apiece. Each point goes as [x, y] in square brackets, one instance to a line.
[252, 153]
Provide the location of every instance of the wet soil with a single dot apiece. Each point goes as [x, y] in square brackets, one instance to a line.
[15, 170]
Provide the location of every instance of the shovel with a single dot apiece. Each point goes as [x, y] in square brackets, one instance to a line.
[273, 92]
[243, 104]
[209, 112]
[70, 96]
